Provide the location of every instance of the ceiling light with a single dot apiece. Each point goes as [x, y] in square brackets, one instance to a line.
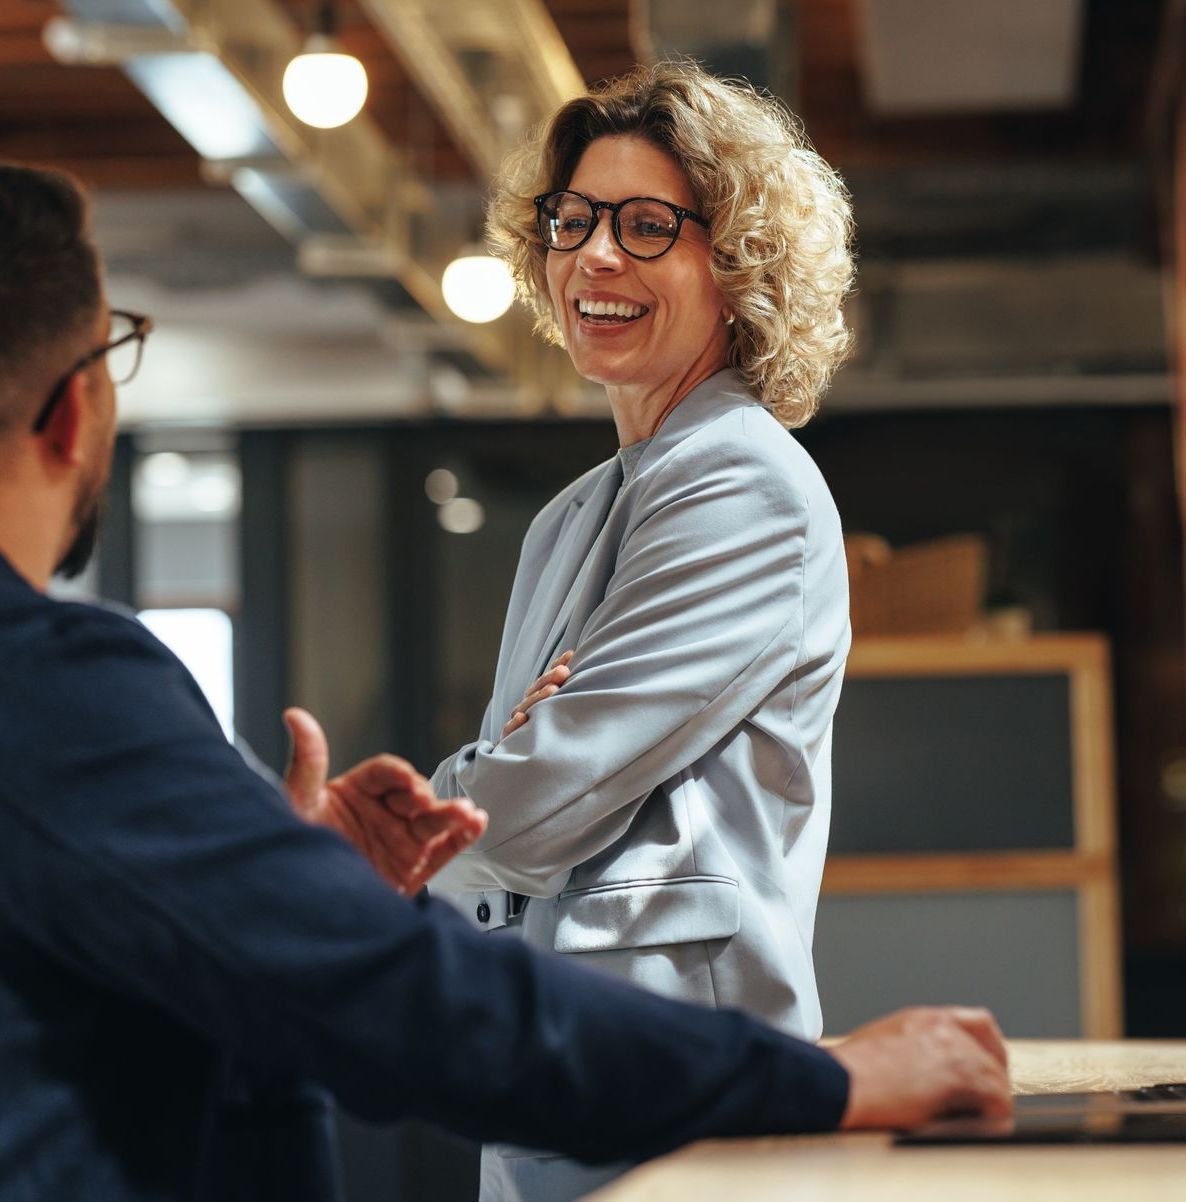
[478, 287]
[323, 86]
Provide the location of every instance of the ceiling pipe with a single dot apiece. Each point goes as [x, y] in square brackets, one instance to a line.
[346, 181]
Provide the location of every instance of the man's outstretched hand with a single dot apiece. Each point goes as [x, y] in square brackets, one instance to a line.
[924, 1063]
[383, 806]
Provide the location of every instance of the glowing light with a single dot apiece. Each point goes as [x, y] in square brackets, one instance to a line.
[324, 87]
[215, 494]
[462, 515]
[478, 288]
[440, 485]
[165, 469]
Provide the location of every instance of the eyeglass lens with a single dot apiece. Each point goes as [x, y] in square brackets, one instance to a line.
[645, 227]
[123, 360]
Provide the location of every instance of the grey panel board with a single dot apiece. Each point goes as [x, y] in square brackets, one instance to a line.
[1016, 953]
[339, 560]
[952, 763]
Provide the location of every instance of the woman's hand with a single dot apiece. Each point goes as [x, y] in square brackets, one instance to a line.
[547, 685]
[383, 806]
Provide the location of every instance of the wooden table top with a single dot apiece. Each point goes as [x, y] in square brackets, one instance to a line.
[867, 1167]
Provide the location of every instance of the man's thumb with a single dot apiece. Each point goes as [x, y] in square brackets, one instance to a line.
[308, 765]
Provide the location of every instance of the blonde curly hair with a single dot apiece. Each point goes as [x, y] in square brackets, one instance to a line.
[781, 222]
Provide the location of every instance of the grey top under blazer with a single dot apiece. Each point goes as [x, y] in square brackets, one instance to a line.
[666, 813]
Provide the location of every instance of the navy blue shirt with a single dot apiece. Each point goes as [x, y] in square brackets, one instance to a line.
[184, 964]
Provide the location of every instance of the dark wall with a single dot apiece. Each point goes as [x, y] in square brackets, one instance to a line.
[1080, 509]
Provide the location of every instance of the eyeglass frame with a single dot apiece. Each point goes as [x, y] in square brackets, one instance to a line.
[142, 326]
[681, 215]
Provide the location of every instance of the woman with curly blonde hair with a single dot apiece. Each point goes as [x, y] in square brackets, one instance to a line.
[659, 795]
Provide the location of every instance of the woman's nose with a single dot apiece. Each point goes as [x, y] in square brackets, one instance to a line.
[601, 252]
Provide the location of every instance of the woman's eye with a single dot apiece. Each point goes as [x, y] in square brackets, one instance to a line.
[651, 227]
[574, 225]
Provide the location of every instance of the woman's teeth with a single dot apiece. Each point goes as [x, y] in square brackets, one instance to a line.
[623, 310]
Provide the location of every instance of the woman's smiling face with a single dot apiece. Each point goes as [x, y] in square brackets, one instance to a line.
[668, 327]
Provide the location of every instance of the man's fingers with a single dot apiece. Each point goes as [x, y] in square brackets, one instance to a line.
[984, 1089]
[922, 1063]
[383, 774]
[982, 1027]
[447, 816]
[440, 851]
[309, 761]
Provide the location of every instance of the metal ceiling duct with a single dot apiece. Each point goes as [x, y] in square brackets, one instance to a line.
[214, 67]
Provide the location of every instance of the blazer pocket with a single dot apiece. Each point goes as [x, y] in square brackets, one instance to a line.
[684, 909]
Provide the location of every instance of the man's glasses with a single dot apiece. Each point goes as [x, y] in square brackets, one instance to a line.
[123, 351]
[643, 227]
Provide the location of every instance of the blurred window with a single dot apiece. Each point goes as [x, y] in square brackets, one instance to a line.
[203, 640]
[186, 500]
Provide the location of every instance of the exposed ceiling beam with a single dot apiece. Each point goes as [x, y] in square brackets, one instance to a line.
[489, 72]
[410, 31]
[544, 55]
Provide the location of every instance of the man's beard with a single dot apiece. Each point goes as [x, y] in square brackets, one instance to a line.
[88, 516]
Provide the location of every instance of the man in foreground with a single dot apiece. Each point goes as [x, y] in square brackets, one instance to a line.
[185, 963]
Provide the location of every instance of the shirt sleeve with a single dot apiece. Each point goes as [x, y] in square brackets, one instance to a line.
[702, 619]
[138, 850]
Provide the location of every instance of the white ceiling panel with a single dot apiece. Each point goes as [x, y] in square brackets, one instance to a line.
[936, 56]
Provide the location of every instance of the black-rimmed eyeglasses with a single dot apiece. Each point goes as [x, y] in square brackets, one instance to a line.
[643, 227]
[123, 350]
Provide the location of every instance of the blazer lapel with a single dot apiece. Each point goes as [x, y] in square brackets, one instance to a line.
[580, 558]
[560, 582]
[568, 587]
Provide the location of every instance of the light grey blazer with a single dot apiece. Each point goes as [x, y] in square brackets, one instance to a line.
[666, 812]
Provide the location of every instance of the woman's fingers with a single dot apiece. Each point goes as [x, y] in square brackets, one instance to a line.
[547, 685]
[514, 722]
[557, 674]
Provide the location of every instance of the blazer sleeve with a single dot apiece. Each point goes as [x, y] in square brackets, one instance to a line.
[139, 851]
[703, 617]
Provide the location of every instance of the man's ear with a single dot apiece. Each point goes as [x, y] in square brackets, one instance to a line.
[62, 437]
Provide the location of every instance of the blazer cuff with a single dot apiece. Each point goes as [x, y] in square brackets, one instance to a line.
[809, 1088]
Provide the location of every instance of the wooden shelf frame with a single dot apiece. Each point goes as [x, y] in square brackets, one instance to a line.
[1089, 867]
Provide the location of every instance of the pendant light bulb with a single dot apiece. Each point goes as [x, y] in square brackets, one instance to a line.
[324, 87]
[477, 286]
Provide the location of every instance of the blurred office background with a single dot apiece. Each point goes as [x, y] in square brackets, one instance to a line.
[323, 474]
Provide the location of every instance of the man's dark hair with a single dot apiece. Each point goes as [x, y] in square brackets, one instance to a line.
[50, 285]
